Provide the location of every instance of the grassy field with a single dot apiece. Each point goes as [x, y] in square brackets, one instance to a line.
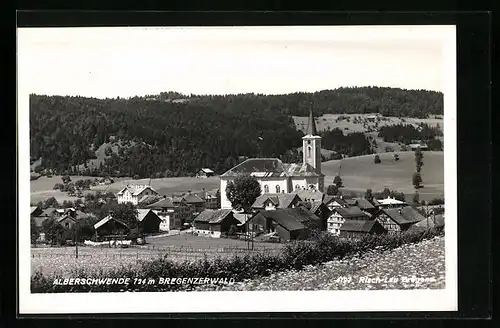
[41, 189]
[185, 247]
[424, 261]
[360, 173]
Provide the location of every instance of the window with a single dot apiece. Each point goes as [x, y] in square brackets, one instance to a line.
[297, 187]
[266, 189]
[309, 151]
[277, 189]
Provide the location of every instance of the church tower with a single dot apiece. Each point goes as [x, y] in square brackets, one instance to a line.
[311, 145]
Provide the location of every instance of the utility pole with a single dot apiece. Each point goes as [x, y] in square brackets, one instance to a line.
[76, 239]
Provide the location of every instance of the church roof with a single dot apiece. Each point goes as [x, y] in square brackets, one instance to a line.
[311, 125]
[271, 167]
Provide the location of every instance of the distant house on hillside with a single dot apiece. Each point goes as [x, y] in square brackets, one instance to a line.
[415, 144]
[399, 219]
[214, 223]
[288, 223]
[339, 215]
[360, 228]
[132, 193]
[204, 173]
[273, 201]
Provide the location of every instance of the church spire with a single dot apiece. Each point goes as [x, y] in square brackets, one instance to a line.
[311, 125]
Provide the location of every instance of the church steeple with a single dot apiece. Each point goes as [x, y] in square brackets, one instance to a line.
[311, 125]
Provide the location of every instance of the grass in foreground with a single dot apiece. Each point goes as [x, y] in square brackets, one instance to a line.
[323, 248]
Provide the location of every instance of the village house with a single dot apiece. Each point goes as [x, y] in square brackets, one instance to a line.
[339, 215]
[204, 173]
[132, 193]
[214, 223]
[366, 206]
[399, 219]
[360, 228]
[149, 221]
[273, 201]
[288, 223]
[322, 211]
[274, 176]
[193, 200]
[172, 215]
[35, 211]
[333, 202]
[211, 198]
[110, 226]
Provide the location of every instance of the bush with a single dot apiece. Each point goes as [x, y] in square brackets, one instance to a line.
[320, 248]
[376, 159]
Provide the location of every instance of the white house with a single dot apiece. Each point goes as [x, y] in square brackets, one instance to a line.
[132, 193]
[274, 176]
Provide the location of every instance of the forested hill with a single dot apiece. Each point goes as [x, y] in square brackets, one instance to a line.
[170, 139]
[174, 135]
[355, 100]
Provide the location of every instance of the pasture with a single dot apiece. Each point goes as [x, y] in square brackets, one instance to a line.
[41, 189]
[184, 247]
[360, 173]
[347, 124]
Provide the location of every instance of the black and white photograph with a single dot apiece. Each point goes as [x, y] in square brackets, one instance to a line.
[237, 169]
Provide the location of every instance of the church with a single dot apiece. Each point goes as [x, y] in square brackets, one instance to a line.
[274, 176]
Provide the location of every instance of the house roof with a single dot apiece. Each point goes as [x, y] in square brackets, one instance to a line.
[205, 194]
[404, 215]
[328, 199]
[48, 211]
[271, 167]
[206, 170]
[390, 201]
[147, 199]
[136, 189]
[64, 217]
[33, 209]
[106, 220]
[291, 218]
[280, 200]
[308, 195]
[213, 216]
[436, 222]
[364, 204]
[350, 212]
[192, 199]
[243, 218]
[315, 206]
[166, 202]
[142, 213]
[358, 225]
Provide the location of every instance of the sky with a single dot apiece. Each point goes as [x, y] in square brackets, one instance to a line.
[126, 62]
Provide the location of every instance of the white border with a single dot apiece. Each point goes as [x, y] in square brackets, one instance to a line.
[310, 301]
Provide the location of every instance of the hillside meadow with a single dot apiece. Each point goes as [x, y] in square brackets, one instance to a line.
[360, 173]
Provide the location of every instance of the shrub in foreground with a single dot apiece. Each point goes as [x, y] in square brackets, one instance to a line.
[320, 248]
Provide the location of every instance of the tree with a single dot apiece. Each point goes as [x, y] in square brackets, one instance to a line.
[35, 233]
[368, 195]
[376, 159]
[396, 157]
[54, 231]
[416, 198]
[50, 202]
[332, 190]
[337, 181]
[66, 179]
[386, 193]
[417, 180]
[419, 156]
[243, 191]
[127, 213]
